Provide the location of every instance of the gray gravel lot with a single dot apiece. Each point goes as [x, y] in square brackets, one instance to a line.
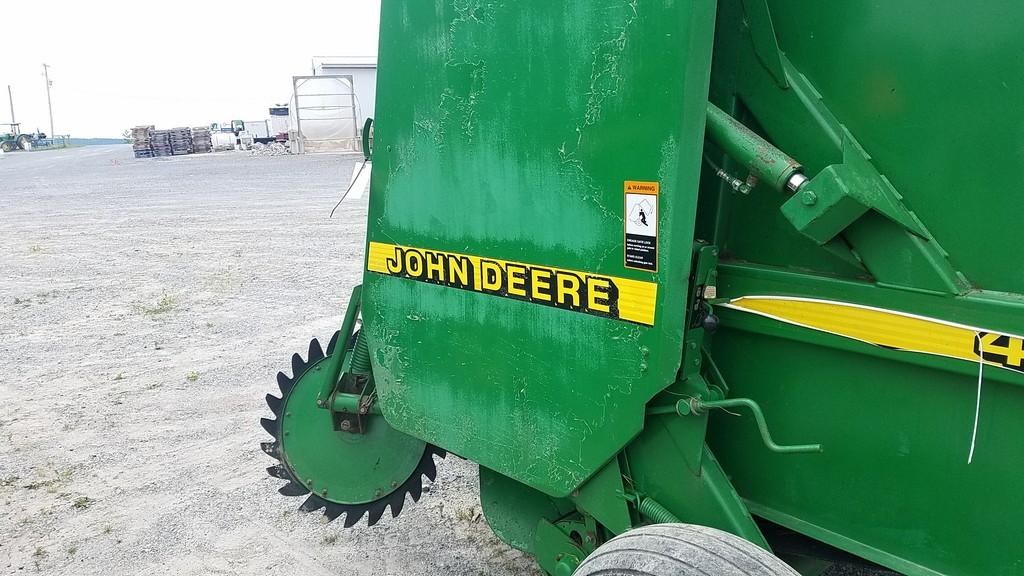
[145, 307]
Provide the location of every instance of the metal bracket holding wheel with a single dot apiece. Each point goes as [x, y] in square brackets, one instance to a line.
[681, 550]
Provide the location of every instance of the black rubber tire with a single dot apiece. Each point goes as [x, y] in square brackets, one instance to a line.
[681, 550]
[7, 146]
[24, 142]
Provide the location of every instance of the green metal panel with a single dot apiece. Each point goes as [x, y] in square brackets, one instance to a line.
[929, 94]
[507, 131]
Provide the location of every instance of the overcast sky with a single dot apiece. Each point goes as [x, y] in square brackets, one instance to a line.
[118, 63]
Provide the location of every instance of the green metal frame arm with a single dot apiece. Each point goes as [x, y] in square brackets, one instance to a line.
[337, 360]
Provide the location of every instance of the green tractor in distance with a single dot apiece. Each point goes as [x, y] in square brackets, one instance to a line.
[13, 139]
[706, 288]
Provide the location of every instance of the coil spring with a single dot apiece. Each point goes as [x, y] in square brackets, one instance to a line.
[360, 355]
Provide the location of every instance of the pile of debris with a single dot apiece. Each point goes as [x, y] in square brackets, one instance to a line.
[160, 141]
[272, 149]
[140, 141]
[181, 141]
[202, 142]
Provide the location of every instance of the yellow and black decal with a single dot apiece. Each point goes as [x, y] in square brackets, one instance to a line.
[595, 294]
[640, 225]
[891, 329]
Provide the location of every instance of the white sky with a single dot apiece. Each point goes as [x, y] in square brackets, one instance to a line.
[117, 64]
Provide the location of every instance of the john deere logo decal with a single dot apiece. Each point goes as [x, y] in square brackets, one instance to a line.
[594, 294]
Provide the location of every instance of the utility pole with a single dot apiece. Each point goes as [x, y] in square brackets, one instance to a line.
[49, 104]
[10, 98]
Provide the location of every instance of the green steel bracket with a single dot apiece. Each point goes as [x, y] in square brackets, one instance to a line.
[697, 407]
[700, 317]
[354, 404]
[842, 193]
[560, 547]
[842, 199]
[592, 499]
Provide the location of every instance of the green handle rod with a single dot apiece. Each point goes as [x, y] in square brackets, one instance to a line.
[762, 424]
[769, 164]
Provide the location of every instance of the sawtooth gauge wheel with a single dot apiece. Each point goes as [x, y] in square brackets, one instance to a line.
[354, 474]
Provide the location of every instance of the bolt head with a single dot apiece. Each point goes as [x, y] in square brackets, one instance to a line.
[809, 198]
[346, 425]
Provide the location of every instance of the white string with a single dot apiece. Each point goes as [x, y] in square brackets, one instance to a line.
[977, 404]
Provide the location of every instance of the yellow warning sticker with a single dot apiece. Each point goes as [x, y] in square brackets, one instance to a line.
[640, 225]
[891, 329]
[595, 294]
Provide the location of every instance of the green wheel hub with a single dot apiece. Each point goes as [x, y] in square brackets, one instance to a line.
[342, 472]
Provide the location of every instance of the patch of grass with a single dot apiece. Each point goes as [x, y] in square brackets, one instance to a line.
[82, 502]
[72, 549]
[165, 304]
[35, 248]
[8, 480]
[192, 376]
[107, 528]
[330, 539]
[120, 376]
[153, 385]
[51, 483]
[22, 300]
[39, 553]
[465, 514]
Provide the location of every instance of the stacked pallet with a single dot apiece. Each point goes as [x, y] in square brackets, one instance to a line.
[160, 141]
[140, 141]
[202, 142]
[181, 141]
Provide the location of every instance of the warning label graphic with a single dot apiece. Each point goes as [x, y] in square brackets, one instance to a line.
[641, 225]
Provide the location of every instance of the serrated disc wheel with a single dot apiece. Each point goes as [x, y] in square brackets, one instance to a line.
[339, 472]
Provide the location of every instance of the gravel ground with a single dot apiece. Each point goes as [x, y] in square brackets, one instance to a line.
[145, 307]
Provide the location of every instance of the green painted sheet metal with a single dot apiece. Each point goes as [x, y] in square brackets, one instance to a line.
[928, 97]
[507, 130]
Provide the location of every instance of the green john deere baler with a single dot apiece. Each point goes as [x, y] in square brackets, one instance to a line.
[699, 286]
